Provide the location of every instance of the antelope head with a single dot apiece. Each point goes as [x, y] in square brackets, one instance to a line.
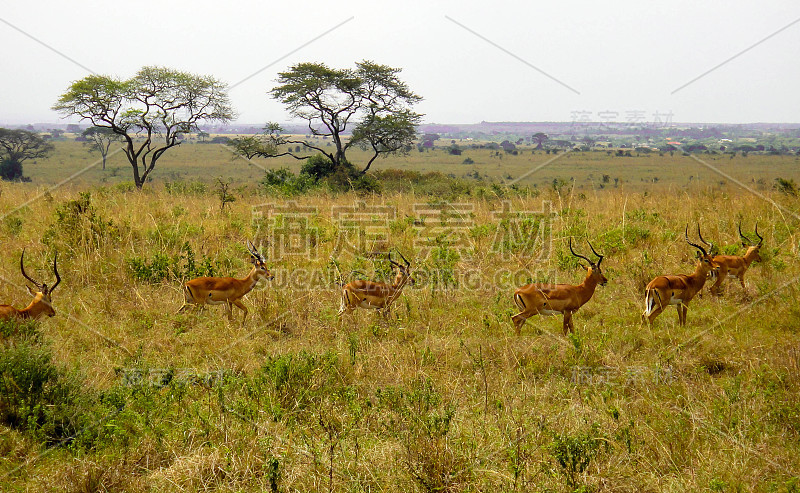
[403, 271]
[752, 247]
[707, 263]
[42, 303]
[259, 263]
[593, 269]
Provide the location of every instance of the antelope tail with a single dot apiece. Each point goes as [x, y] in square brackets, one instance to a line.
[519, 301]
[187, 293]
[345, 299]
[650, 301]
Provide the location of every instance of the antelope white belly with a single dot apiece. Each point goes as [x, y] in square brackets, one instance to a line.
[675, 301]
[549, 312]
[733, 276]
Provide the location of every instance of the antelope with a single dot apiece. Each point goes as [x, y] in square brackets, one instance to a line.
[679, 289]
[228, 290]
[552, 299]
[41, 304]
[735, 266]
[376, 295]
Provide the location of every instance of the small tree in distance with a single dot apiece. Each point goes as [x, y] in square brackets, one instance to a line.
[150, 112]
[540, 138]
[100, 140]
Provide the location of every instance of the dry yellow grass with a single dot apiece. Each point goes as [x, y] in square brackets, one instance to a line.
[439, 397]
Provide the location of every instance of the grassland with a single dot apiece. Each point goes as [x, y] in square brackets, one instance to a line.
[639, 173]
[439, 396]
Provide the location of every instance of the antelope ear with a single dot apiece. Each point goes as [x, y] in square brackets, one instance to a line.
[744, 244]
[31, 291]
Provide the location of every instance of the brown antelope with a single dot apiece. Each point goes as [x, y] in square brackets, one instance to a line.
[228, 290]
[679, 289]
[376, 295]
[735, 266]
[552, 299]
[41, 304]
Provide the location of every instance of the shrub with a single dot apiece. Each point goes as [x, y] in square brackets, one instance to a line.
[284, 182]
[11, 170]
[318, 167]
[186, 188]
[78, 224]
[574, 453]
[785, 186]
[18, 328]
[13, 225]
[38, 397]
[296, 381]
[162, 267]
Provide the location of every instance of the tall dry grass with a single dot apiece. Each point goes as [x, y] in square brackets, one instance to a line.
[441, 396]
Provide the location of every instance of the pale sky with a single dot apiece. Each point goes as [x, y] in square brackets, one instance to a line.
[470, 60]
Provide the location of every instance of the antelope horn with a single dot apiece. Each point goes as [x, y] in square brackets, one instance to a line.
[694, 244]
[55, 271]
[575, 254]
[392, 261]
[593, 251]
[408, 264]
[710, 245]
[22, 268]
[760, 238]
[253, 252]
[743, 236]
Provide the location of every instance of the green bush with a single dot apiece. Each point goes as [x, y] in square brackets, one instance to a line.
[11, 170]
[786, 186]
[39, 398]
[13, 225]
[13, 328]
[162, 267]
[318, 167]
[186, 188]
[295, 382]
[574, 453]
[284, 182]
[77, 223]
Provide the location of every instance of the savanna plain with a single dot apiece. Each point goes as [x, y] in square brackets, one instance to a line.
[121, 392]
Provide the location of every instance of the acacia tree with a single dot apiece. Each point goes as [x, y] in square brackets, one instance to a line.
[540, 138]
[17, 146]
[149, 111]
[100, 140]
[370, 103]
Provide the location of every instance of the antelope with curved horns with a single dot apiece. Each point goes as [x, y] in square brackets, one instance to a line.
[735, 266]
[679, 289]
[552, 299]
[228, 290]
[41, 304]
[376, 295]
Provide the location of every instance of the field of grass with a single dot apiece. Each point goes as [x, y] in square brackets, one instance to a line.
[206, 162]
[439, 396]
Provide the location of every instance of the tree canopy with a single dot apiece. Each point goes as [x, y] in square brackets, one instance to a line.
[540, 138]
[17, 146]
[368, 107]
[149, 112]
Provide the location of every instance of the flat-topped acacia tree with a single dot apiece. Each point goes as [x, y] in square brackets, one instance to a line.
[149, 111]
[17, 146]
[367, 107]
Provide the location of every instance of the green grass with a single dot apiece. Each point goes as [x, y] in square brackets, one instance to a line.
[440, 396]
[207, 162]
